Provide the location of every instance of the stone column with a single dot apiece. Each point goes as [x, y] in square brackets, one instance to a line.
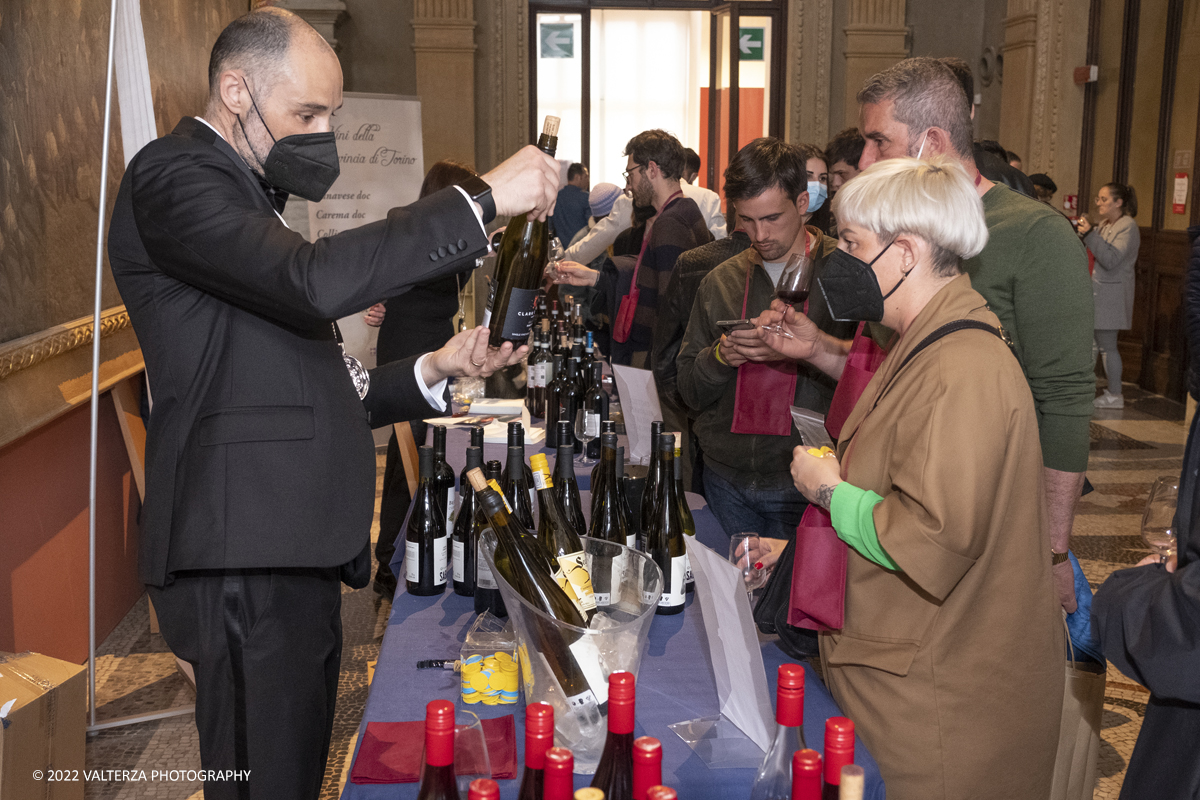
[502, 70]
[444, 43]
[876, 38]
[1020, 75]
[810, 44]
[321, 14]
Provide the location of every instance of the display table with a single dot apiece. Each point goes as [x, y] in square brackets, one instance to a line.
[675, 681]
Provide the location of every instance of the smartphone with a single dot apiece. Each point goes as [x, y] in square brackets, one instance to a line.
[731, 325]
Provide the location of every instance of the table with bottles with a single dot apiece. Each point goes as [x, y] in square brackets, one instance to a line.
[675, 680]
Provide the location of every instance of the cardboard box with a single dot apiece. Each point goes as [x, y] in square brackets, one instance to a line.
[43, 731]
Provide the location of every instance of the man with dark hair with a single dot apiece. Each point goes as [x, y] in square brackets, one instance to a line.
[722, 371]
[1033, 273]
[260, 469]
[842, 155]
[691, 165]
[572, 209]
[652, 173]
[1013, 160]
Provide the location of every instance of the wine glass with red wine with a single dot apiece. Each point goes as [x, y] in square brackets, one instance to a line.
[793, 287]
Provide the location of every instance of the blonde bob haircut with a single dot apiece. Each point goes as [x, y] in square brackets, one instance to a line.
[932, 199]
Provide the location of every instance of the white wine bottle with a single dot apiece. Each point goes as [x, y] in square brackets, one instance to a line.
[519, 267]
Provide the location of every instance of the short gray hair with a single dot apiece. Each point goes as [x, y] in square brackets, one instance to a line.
[256, 43]
[927, 94]
[931, 198]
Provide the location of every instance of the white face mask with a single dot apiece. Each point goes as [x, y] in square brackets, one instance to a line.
[921, 149]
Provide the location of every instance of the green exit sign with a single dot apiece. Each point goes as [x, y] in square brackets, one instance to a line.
[557, 40]
[750, 44]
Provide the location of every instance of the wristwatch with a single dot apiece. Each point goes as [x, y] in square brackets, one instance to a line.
[481, 193]
[1058, 558]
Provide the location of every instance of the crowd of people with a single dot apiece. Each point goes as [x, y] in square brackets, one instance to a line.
[947, 339]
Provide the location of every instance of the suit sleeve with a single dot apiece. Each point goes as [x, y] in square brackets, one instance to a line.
[200, 225]
[395, 396]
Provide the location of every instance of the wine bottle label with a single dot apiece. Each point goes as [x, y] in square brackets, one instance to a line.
[459, 573]
[541, 480]
[519, 319]
[487, 315]
[631, 541]
[440, 546]
[412, 562]
[583, 699]
[603, 598]
[576, 581]
[451, 496]
[688, 562]
[674, 592]
[537, 376]
[587, 656]
[591, 424]
[483, 573]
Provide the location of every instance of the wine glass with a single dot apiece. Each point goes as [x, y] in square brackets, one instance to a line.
[742, 547]
[553, 258]
[470, 751]
[795, 282]
[585, 435]
[1158, 521]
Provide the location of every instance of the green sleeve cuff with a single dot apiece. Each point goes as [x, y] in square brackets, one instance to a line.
[852, 511]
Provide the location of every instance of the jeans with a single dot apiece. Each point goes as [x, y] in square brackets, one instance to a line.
[767, 505]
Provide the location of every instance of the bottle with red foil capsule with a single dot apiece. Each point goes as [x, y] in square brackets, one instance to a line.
[539, 737]
[661, 793]
[774, 778]
[437, 782]
[853, 783]
[483, 789]
[558, 777]
[806, 775]
[839, 751]
[647, 765]
[614, 774]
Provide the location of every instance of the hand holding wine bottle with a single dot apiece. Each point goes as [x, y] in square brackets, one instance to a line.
[526, 182]
[468, 355]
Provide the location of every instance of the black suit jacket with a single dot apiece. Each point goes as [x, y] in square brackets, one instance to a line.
[259, 451]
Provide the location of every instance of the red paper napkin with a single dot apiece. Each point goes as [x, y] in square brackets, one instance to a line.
[391, 751]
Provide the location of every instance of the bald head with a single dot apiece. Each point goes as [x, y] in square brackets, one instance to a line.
[259, 45]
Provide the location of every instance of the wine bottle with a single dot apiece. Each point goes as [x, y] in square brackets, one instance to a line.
[487, 592]
[647, 765]
[554, 315]
[566, 488]
[437, 782]
[572, 657]
[570, 398]
[463, 539]
[839, 751]
[661, 793]
[609, 521]
[539, 737]
[562, 542]
[519, 266]
[806, 775]
[541, 307]
[651, 490]
[559, 777]
[774, 778]
[685, 513]
[516, 438]
[540, 372]
[554, 391]
[632, 522]
[595, 410]
[515, 485]
[443, 476]
[606, 426]
[476, 441]
[589, 355]
[425, 538]
[853, 783]
[614, 773]
[483, 789]
[664, 535]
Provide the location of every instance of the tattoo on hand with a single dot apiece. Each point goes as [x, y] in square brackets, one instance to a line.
[824, 496]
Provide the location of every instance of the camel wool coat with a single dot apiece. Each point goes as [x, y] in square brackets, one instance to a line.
[952, 669]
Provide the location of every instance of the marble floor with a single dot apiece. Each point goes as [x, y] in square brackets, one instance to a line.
[136, 674]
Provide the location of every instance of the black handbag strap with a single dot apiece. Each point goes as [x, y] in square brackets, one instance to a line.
[945, 330]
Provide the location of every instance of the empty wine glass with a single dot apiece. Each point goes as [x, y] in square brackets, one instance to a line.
[470, 751]
[587, 427]
[553, 258]
[795, 282]
[1158, 521]
[743, 550]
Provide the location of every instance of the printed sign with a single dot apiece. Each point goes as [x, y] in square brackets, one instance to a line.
[1179, 201]
[557, 39]
[750, 44]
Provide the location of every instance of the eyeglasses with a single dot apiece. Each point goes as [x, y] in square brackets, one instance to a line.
[627, 174]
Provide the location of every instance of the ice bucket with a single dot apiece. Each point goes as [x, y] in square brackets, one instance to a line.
[627, 585]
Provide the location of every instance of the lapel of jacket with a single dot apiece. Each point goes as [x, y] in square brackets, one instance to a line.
[192, 128]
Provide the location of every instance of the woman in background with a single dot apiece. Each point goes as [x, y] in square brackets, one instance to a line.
[1114, 243]
[421, 319]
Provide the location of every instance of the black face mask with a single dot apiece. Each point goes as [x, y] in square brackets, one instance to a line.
[303, 164]
[851, 289]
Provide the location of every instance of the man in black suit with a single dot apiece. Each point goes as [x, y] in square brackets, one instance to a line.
[260, 469]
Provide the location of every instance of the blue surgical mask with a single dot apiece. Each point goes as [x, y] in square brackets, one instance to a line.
[817, 192]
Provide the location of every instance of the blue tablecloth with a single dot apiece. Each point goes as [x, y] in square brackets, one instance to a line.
[675, 681]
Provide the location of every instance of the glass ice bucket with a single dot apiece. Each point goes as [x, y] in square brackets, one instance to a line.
[567, 666]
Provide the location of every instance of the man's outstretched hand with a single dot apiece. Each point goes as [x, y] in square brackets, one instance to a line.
[468, 355]
[526, 182]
